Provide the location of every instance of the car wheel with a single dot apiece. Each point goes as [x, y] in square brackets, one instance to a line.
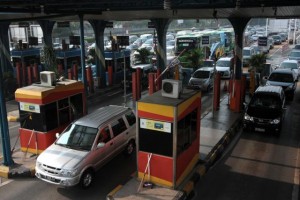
[87, 179]
[130, 148]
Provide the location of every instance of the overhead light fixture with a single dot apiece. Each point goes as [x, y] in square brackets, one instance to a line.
[262, 8]
[42, 9]
[167, 4]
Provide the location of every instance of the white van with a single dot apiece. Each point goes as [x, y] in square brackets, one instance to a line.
[86, 145]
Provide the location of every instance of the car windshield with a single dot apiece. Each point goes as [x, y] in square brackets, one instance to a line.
[297, 46]
[289, 65]
[78, 137]
[295, 54]
[201, 74]
[223, 63]
[276, 37]
[246, 52]
[265, 101]
[280, 77]
[207, 63]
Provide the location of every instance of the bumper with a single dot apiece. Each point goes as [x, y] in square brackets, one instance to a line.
[57, 180]
[257, 127]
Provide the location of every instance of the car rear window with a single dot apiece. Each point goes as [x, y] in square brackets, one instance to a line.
[280, 77]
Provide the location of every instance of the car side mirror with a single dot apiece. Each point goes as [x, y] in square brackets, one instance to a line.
[57, 135]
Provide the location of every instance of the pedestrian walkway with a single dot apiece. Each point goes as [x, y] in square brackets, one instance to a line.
[217, 130]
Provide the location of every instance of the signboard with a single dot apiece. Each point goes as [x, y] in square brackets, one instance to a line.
[262, 41]
[109, 25]
[205, 40]
[30, 107]
[75, 40]
[33, 41]
[151, 25]
[123, 40]
[23, 24]
[155, 125]
[64, 24]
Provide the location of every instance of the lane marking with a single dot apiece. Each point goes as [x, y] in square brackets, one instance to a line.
[5, 182]
[296, 186]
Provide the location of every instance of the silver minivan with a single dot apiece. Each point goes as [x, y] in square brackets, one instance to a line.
[86, 145]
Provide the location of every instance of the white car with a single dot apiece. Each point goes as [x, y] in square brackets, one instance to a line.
[291, 64]
[224, 66]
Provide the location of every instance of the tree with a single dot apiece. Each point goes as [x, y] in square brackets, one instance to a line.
[143, 55]
[193, 58]
[48, 56]
[257, 62]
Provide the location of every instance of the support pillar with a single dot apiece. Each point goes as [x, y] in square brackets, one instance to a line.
[138, 82]
[90, 80]
[99, 27]
[151, 83]
[5, 64]
[161, 26]
[35, 70]
[134, 86]
[239, 25]
[217, 85]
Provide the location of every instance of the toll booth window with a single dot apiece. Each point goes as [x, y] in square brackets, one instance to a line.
[118, 127]
[63, 111]
[186, 131]
[76, 104]
[155, 141]
[130, 118]
[32, 121]
[51, 121]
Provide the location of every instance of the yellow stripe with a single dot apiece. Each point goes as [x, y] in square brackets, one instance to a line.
[4, 171]
[188, 170]
[31, 150]
[114, 191]
[155, 180]
[156, 109]
[182, 107]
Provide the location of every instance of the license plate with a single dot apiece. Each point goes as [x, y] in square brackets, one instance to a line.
[260, 129]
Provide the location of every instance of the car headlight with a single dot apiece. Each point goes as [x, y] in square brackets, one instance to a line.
[275, 121]
[68, 172]
[38, 164]
[248, 117]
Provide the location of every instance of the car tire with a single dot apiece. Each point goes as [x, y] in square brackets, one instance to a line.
[87, 179]
[130, 148]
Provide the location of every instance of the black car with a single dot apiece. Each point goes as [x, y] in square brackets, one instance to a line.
[265, 111]
[286, 78]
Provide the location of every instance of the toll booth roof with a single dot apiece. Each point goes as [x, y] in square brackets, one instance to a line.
[157, 98]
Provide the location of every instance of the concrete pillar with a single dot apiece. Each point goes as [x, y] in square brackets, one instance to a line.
[5, 64]
[239, 25]
[47, 28]
[161, 26]
[99, 27]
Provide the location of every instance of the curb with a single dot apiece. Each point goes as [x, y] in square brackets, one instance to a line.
[211, 158]
[12, 118]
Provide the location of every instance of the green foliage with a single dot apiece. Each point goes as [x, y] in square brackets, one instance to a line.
[143, 55]
[192, 58]
[257, 62]
[49, 59]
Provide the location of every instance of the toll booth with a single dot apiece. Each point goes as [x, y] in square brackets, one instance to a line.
[46, 108]
[168, 137]
[68, 57]
[114, 62]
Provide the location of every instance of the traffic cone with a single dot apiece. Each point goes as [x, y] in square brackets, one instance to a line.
[225, 89]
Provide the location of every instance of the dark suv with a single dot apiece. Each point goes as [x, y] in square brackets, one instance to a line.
[265, 111]
[286, 78]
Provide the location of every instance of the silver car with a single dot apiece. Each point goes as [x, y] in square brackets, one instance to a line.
[202, 79]
[86, 145]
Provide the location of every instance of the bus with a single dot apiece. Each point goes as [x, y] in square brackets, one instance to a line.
[220, 42]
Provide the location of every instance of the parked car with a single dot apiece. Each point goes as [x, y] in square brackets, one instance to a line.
[224, 66]
[207, 63]
[265, 111]
[202, 79]
[291, 64]
[285, 78]
[277, 39]
[86, 145]
[297, 46]
[294, 55]
[247, 53]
